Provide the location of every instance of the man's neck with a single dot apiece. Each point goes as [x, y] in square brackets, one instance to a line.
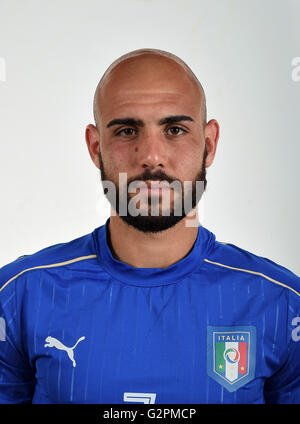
[151, 250]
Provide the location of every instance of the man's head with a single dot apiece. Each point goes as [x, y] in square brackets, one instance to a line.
[150, 115]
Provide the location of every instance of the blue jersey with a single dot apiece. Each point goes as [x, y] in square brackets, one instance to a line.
[78, 326]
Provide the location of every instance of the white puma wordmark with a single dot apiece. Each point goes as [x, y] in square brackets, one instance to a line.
[53, 342]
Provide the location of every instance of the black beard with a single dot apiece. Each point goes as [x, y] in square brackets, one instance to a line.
[154, 224]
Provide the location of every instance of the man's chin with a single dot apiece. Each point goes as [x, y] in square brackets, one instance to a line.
[152, 224]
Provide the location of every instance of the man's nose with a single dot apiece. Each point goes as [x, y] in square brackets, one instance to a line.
[151, 151]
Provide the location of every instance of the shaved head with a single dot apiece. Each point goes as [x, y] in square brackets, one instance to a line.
[144, 63]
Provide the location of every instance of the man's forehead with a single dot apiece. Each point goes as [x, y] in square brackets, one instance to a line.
[124, 96]
[149, 105]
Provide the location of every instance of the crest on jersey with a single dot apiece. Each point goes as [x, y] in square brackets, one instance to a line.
[231, 355]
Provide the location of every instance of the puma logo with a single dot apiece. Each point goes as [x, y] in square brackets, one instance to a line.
[53, 342]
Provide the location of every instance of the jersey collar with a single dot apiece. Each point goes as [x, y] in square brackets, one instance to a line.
[148, 277]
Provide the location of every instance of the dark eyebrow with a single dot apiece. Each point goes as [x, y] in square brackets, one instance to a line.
[175, 118]
[138, 123]
[126, 121]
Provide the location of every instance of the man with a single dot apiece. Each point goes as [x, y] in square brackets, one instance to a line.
[149, 308]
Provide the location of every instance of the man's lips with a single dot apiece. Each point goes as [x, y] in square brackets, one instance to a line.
[153, 186]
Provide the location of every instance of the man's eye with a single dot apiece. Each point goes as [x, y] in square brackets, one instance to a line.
[175, 131]
[126, 132]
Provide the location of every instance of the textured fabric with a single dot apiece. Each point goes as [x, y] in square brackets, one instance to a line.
[83, 327]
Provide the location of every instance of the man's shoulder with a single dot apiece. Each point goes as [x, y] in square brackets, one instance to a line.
[60, 254]
[232, 257]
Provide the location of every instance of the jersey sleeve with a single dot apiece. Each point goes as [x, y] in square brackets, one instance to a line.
[284, 386]
[16, 375]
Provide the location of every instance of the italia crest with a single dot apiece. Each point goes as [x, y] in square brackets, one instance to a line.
[231, 354]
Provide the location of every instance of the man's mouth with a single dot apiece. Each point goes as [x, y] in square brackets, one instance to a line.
[154, 187]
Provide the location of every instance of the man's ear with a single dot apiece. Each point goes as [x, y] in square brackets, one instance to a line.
[211, 134]
[92, 138]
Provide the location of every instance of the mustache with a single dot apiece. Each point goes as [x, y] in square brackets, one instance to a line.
[148, 175]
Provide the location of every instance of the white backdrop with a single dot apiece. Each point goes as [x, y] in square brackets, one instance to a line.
[53, 54]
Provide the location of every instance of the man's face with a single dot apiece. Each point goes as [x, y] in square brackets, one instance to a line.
[151, 127]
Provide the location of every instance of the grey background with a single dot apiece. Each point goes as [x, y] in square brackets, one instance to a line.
[55, 53]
